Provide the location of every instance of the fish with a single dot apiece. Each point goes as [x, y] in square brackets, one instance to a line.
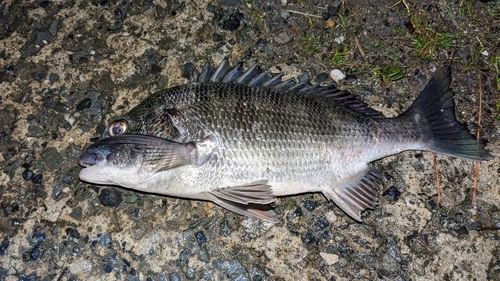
[241, 138]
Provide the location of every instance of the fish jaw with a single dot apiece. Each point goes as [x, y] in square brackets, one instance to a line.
[106, 174]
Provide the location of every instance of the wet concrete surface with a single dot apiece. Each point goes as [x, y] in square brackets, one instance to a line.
[67, 68]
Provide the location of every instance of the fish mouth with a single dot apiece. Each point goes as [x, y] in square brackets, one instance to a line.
[88, 160]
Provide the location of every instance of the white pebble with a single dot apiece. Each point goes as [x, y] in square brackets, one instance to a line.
[331, 217]
[337, 75]
[339, 39]
[329, 258]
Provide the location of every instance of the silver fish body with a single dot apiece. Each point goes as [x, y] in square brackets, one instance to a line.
[240, 138]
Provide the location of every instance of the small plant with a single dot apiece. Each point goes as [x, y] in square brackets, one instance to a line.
[341, 55]
[389, 72]
[310, 44]
[427, 41]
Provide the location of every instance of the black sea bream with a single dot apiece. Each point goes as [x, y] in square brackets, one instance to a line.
[241, 138]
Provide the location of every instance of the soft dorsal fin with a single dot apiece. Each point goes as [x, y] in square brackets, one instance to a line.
[255, 76]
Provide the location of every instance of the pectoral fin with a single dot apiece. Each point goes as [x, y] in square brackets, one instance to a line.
[358, 196]
[249, 200]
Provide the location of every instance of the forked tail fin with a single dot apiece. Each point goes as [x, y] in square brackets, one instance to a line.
[434, 110]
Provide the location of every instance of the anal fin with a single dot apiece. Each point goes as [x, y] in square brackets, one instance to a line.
[358, 196]
[249, 200]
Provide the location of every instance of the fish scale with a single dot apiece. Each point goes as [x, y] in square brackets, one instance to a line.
[241, 144]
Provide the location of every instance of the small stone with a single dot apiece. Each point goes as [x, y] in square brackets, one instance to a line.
[233, 23]
[3, 247]
[73, 233]
[130, 199]
[35, 252]
[322, 223]
[53, 78]
[37, 179]
[309, 238]
[76, 213]
[392, 193]
[85, 103]
[329, 258]
[52, 158]
[183, 257]
[201, 238]
[337, 75]
[38, 234]
[104, 239]
[310, 204]
[96, 109]
[462, 231]
[68, 179]
[340, 39]
[203, 255]
[331, 217]
[110, 197]
[27, 174]
[282, 38]
[284, 14]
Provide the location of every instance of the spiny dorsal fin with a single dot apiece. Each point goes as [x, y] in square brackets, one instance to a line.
[255, 76]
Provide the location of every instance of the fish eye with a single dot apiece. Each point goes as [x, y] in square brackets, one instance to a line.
[117, 128]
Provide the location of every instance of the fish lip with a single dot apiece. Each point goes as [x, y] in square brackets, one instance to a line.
[88, 160]
[84, 164]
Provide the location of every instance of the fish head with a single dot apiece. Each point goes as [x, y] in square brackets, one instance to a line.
[155, 116]
[133, 160]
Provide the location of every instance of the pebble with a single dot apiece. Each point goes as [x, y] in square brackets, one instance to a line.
[104, 239]
[201, 238]
[110, 197]
[337, 75]
[37, 179]
[322, 223]
[284, 14]
[4, 246]
[53, 77]
[309, 238]
[27, 174]
[76, 213]
[68, 179]
[331, 217]
[38, 235]
[73, 233]
[233, 23]
[130, 199]
[310, 204]
[96, 109]
[392, 193]
[52, 158]
[203, 255]
[85, 103]
[35, 252]
[329, 258]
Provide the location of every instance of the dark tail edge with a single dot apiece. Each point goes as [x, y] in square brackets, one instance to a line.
[435, 110]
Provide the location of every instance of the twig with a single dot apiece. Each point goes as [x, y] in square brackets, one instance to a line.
[360, 49]
[438, 185]
[476, 166]
[304, 14]
[488, 228]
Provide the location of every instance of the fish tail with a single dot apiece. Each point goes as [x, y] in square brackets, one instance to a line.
[434, 110]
